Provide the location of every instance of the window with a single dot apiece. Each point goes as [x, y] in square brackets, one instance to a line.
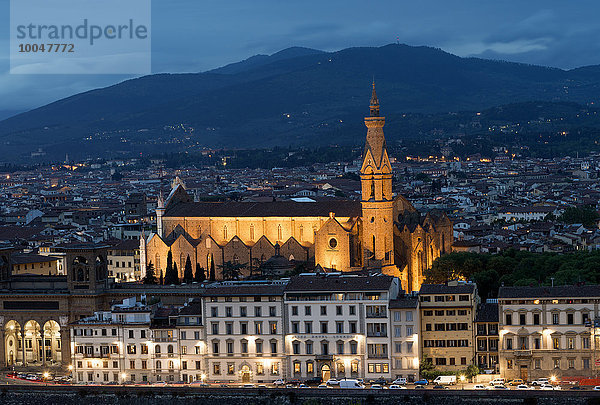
[308, 327]
[294, 310]
[508, 319]
[229, 346]
[409, 316]
[258, 328]
[272, 311]
[309, 347]
[323, 310]
[339, 327]
[273, 327]
[536, 343]
[183, 335]
[216, 368]
[398, 347]
[353, 328]
[257, 311]
[229, 328]
[244, 328]
[215, 346]
[230, 368]
[522, 319]
[243, 312]
[462, 312]
[324, 348]
[228, 312]
[340, 348]
[296, 347]
[571, 363]
[586, 363]
[131, 349]
[509, 364]
[307, 311]
[555, 319]
[244, 346]
[352, 309]
[324, 327]
[463, 298]
[259, 347]
[440, 361]
[537, 364]
[585, 342]
[297, 367]
[556, 363]
[556, 343]
[536, 319]
[260, 369]
[295, 327]
[275, 369]
[215, 328]
[570, 343]
[508, 342]
[273, 347]
[570, 321]
[131, 334]
[338, 310]
[353, 347]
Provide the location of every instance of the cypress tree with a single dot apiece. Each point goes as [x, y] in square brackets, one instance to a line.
[199, 276]
[212, 271]
[188, 275]
[161, 281]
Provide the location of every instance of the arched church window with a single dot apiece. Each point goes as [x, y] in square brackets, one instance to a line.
[373, 244]
[251, 231]
[301, 233]
[225, 232]
[279, 233]
[372, 189]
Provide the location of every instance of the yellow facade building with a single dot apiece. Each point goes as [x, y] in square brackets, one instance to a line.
[382, 231]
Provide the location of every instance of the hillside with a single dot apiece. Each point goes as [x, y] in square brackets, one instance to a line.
[297, 96]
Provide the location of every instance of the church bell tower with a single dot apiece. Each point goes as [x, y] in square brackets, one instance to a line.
[377, 199]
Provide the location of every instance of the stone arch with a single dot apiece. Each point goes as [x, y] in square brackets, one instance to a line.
[33, 342]
[13, 341]
[51, 343]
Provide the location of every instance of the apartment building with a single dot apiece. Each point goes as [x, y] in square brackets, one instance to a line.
[244, 331]
[548, 331]
[337, 325]
[134, 342]
[404, 333]
[447, 312]
[486, 337]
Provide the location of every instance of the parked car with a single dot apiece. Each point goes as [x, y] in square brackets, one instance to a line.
[324, 386]
[249, 386]
[445, 380]
[399, 381]
[440, 387]
[303, 386]
[540, 381]
[380, 381]
[523, 387]
[332, 381]
[547, 387]
[500, 387]
[376, 387]
[516, 381]
[314, 381]
[498, 381]
[397, 387]
[597, 388]
[421, 382]
[278, 382]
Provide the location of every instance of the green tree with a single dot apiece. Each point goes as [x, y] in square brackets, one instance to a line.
[188, 275]
[171, 274]
[199, 276]
[231, 271]
[586, 216]
[161, 280]
[150, 277]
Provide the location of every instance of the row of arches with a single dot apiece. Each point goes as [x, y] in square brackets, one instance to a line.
[32, 343]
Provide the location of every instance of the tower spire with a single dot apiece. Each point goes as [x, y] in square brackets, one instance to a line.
[374, 107]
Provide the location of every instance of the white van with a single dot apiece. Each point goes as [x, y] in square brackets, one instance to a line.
[498, 381]
[351, 384]
[445, 380]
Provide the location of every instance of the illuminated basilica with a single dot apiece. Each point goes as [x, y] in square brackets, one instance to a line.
[379, 232]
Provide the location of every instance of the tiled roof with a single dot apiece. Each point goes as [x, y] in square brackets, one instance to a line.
[332, 283]
[550, 292]
[404, 302]
[244, 290]
[265, 209]
[487, 312]
[447, 289]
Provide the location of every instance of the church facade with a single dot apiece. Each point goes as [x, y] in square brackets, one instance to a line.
[379, 232]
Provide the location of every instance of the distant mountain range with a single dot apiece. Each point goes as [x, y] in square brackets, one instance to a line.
[298, 96]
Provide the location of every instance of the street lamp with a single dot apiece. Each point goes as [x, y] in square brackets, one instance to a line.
[462, 381]
[123, 377]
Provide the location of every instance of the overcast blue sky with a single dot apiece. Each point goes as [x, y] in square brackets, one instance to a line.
[196, 35]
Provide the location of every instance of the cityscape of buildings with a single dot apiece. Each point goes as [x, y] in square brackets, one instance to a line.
[313, 272]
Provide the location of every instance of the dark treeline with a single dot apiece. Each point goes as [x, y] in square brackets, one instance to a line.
[516, 268]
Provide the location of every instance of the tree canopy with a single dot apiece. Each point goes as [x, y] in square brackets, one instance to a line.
[515, 268]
